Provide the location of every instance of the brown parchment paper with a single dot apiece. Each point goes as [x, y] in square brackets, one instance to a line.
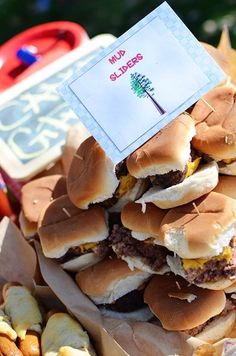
[17, 257]
[136, 338]
[78, 304]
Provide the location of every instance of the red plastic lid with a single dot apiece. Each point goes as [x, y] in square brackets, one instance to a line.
[51, 40]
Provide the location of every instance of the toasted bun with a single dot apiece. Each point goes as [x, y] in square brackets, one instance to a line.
[158, 155]
[193, 187]
[62, 226]
[147, 224]
[218, 328]
[28, 228]
[226, 186]
[91, 178]
[164, 296]
[176, 267]
[216, 130]
[39, 192]
[109, 280]
[202, 228]
[75, 136]
[229, 169]
[142, 314]
[81, 262]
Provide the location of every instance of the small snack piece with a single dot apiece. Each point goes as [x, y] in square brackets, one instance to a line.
[76, 237]
[23, 310]
[117, 290]
[7, 337]
[171, 167]
[35, 196]
[202, 236]
[206, 315]
[63, 336]
[138, 241]
[91, 178]
[214, 115]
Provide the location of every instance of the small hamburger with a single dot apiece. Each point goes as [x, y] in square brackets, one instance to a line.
[202, 236]
[203, 313]
[75, 237]
[214, 116]
[115, 289]
[166, 159]
[137, 239]
[36, 194]
[93, 178]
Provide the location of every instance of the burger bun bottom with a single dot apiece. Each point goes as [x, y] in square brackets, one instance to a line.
[142, 314]
[219, 328]
[81, 262]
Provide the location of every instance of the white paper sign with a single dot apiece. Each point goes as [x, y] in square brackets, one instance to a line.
[141, 82]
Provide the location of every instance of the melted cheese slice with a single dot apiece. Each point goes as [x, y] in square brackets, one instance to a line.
[199, 262]
[5, 326]
[126, 183]
[62, 330]
[192, 166]
[23, 311]
[87, 246]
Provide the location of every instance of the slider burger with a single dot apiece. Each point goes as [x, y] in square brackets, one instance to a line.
[138, 241]
[92, 178]
[215, 120]
[171, 166]
[115, 289]
[203, 313]
[22, 309]
[64, 336]
[35, 196]
[202, 236]
[75, 237]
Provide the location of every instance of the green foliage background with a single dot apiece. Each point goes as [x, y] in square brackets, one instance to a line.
[205, 18]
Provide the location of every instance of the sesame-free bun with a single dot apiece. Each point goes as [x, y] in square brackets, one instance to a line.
[199, 183]
[216, 124]
[39, 192]
[218, 328]
[28, 228]
[91, 177]
[62, 226]
[165, 151]
[142, 225]
[167, 296]
[227, 186]
[229, 168]
[109, 280]
[201, 228]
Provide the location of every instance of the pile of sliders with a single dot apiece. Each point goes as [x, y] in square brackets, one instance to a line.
[26, 330]
[154, 237]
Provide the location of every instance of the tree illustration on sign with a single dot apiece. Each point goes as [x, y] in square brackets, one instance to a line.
[141, 86]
